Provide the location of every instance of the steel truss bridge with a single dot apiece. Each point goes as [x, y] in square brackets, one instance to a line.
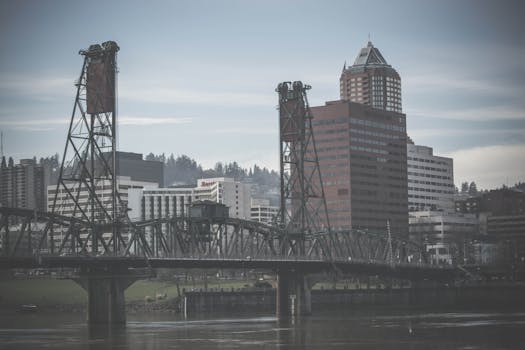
[27, 232]
[39, 239]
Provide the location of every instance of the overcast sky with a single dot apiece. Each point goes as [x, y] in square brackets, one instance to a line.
[198, 77]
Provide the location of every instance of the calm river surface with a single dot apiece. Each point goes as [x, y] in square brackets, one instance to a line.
[365, 329]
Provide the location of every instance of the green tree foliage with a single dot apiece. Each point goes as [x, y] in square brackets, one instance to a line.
[183, 170]
[464, 187]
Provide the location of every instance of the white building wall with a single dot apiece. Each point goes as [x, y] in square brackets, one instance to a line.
[234, 194]
[430, 180]
[176, 201]
[65, 206]
[262, 211]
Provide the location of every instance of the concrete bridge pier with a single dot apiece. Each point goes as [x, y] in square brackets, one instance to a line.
[105, 289]
[294, 296]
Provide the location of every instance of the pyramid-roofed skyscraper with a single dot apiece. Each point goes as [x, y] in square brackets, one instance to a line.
[371, 81]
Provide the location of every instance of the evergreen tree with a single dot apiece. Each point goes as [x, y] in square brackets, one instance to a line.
[472, 189]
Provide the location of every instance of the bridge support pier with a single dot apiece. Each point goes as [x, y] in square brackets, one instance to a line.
[293, 294]
[105, 289]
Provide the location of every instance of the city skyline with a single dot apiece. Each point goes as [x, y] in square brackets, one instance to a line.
[207, 71]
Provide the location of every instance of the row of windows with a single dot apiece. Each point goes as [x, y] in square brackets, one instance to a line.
[429, 175]
[440, 184]
[333, 148]
[376, 134]
[335, 156]
[333, 140]
[370, 141]
[428, 160]
[424, 197]
[442, 170]
[377, 124]
[430, 190]
[368, 149]
[336, 182]
[331, 131]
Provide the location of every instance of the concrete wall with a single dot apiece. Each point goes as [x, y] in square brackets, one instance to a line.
[264, 300]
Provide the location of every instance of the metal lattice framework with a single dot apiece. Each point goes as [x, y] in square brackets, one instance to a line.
[87, 187]
[303, 209]
[25, 233]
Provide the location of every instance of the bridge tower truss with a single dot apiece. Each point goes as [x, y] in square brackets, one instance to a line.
[303, 214]
[87, 183]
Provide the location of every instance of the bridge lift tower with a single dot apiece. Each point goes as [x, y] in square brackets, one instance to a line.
[87, 184]
[303, 213]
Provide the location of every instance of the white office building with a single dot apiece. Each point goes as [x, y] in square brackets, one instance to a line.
[65, 206]
[152, 203]
[262, 211]
[430, 180]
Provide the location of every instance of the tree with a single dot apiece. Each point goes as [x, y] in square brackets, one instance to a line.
[472, 189]
[464, 187]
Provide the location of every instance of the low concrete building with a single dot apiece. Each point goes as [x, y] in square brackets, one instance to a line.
[151, 203]
[262, 211]
[443, 234]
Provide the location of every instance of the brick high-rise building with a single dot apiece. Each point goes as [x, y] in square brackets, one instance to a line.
[371, 81]
[363, 159]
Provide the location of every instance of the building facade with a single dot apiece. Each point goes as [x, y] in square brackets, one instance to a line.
[363, 161]
[441, 227]
[430, 180]
[152, 203]
[132, 165]
[65, 206]
[371, 81]
[262, 211]
[22, 185]
[501, 215]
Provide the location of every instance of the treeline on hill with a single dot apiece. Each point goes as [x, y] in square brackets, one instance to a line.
[183, 170]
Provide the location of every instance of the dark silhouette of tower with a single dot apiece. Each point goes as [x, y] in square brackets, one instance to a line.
[303, 212]
[87, 184]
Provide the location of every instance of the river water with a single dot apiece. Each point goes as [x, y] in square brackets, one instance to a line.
[364, 329]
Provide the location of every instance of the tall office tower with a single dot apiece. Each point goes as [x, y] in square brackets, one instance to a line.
[430, 180]
[371, 81]
[363, 161]
[22, 185]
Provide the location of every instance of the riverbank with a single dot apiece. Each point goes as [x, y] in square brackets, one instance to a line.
[158, 296]
[67, 296]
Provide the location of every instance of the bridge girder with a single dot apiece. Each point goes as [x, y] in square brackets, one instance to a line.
[27, 232]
